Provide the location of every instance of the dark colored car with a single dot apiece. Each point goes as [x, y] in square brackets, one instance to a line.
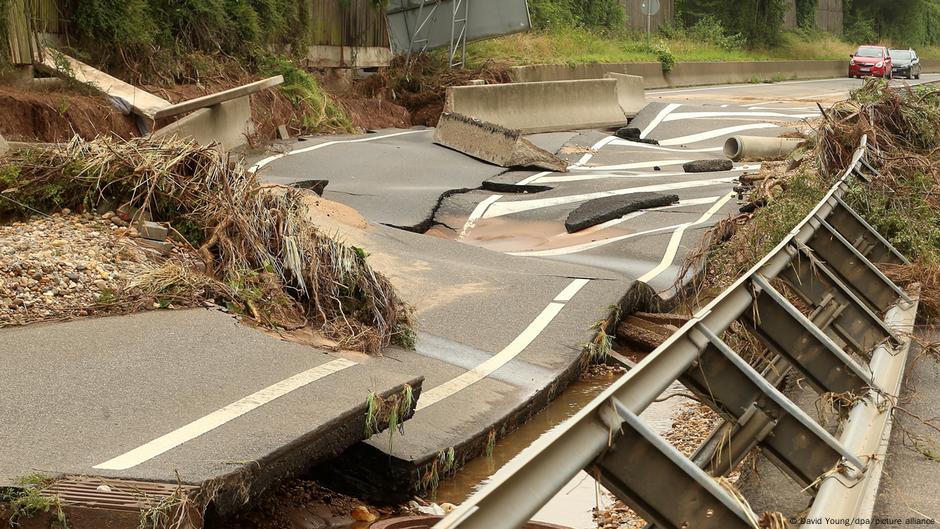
[870, 61]
[905, 63]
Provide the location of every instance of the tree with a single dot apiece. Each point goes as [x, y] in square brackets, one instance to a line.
[759, 21]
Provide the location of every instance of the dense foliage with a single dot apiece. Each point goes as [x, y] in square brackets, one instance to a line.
[591, 14]
[759, 22]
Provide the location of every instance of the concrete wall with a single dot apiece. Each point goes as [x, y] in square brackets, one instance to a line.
[228, 123]
[687, 73]
[541, 107]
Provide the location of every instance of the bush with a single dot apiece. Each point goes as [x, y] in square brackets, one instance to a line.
[861, 31]
[591, 14]
[709, 29]
[664, 55]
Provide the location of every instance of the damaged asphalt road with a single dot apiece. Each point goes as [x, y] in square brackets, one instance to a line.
[505, 296]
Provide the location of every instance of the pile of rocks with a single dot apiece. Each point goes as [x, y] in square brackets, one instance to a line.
[66, 265]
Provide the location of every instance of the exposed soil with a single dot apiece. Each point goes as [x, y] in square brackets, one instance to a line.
[56, 115]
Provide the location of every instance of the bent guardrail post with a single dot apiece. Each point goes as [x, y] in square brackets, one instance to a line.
[828, 262]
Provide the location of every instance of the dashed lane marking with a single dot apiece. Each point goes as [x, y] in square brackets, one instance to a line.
[658, 119]
[702, 136]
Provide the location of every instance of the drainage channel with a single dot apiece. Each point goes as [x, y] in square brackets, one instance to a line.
[572, 507]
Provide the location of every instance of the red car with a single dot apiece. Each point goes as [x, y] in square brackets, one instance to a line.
[871, 60]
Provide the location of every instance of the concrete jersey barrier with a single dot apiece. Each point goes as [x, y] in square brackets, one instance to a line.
[541, 106]
[687, 73]
[630, 92]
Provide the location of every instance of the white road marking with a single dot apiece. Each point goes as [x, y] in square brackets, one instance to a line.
[528, 335]
[258, 166]
[699, 115]
[476, 215]
[628, 166]
[796, 109]
[219, 417]
[482, 206]
[507, 208]
[568, 250]
[702, 136]
[736, 86]
[673, 247]
[604, 176]
[628, 143]
[658, 119]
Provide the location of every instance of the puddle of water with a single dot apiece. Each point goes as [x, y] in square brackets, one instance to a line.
[573, 505]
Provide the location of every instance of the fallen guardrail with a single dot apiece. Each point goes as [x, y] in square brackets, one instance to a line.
[854, 342]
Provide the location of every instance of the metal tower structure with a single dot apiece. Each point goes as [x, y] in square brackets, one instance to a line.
[459, 19]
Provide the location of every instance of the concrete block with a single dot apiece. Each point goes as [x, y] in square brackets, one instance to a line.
[4, 146]
[541, 107]
[631, 93]
[164, 248]
[228, 123]
[152, 231]
[493, 143]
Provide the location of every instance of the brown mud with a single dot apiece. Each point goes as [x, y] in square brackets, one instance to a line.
[48, 116]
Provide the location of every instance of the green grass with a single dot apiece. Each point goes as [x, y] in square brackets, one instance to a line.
[578, 46]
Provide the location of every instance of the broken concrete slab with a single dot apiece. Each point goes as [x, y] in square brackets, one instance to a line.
[228, 124]
[162, 247]
[152, 231]
[708, 166]
[218, 98]
[128, 97]
[601, 210]
[493, 143]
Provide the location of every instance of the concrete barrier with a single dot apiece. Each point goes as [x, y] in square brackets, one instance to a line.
[541, 106]
[630, 92]
[492, 143]
[688, 73]
[4, 146]
[929, 66]
[228, 123]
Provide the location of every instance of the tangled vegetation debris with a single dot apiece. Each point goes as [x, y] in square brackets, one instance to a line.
[261, 252]
[29, 498]
[901, 201]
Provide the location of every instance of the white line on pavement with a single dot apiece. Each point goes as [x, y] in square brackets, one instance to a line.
[736, 86]
[507, 208]
[478, 373]
[628, 143]
[219, 417]
[721, 201]
[256, 167]
[603, 176]
[482, 206]
[658, 119]
[699, 115]
[628, 166]
[476, 214]
[702, 136]
[673, 247]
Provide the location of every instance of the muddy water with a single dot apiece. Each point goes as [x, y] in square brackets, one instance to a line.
[573, 505]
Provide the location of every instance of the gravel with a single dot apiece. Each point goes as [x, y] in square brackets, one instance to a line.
[63, 265]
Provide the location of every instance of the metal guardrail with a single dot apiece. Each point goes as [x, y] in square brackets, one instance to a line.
[844, 347]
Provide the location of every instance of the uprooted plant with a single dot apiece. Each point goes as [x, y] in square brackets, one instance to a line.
[259, 247]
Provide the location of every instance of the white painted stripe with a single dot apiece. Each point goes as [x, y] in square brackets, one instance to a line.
[628, 166]
[628, 143]
[698, 115]
[785, 109]
[219, 417]
[737, 86]
[568, 250]
[570, 290]
[673, 247]
[531, 332]
[256, 167]
[476, 214]
[603, 176]
[507, 208]
[658, 119]
[702, 136]
[533, 178]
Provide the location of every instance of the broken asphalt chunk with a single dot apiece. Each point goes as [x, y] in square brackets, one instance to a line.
[601, 210]
[708, 166]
